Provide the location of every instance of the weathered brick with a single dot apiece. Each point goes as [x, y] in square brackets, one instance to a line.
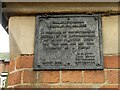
[6, 67]
[29, 76]
[11, 65]
[24, 62]
[112, 76]
[72, 76]
[94, 76]
[111, 62]
[14, 78]
[1, 66]
[49, 76]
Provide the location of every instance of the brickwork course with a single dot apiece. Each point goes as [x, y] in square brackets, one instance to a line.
[23, 76]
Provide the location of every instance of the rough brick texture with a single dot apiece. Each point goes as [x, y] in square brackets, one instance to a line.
[23, 76]
[6, 66]
[12, 65]
[1, 66]
[29, 76]
[113, 76]
[94, 76]
[24, 62]
[71, 76]
[49, 76]
[14, 78]
[111, 62]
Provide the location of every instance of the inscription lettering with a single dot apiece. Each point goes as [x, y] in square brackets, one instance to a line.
[68, 42]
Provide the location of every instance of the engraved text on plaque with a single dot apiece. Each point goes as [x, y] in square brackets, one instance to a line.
[68, 42]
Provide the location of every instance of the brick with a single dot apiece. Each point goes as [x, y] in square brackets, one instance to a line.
[94, 76]
[29, 76]
[1, 66]
[49, 76]
[111, 62]
[72, 76]
[112, 76]
[89, 76]
[14, 78]
[6, 67]
[24, 62]
[11, 65]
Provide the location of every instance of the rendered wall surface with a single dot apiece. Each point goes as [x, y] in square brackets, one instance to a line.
[22, 33]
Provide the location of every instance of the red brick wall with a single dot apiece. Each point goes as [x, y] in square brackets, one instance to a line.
[1, 66]
[21, 75]
[4, 66]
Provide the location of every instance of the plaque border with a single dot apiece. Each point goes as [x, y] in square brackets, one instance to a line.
[35, 63]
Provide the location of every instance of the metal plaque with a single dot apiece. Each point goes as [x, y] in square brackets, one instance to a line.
[68, 42]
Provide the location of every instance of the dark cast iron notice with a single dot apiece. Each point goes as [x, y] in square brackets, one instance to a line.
[68, 42]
